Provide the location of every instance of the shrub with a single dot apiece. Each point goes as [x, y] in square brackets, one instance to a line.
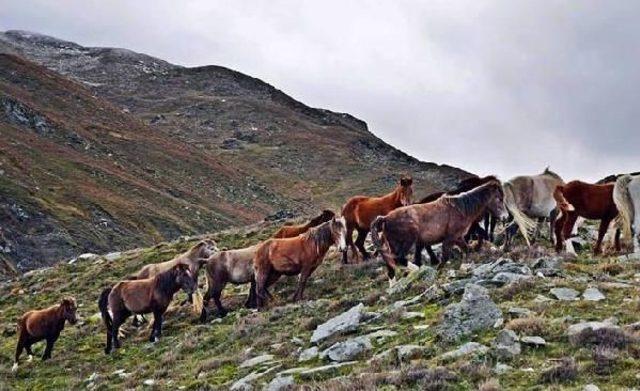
[566, 371]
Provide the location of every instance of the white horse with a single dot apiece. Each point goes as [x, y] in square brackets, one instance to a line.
[626, 196]
[531, 197]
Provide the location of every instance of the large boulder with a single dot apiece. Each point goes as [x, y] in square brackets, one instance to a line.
[347, 350]
[343, 323]
[475, 312]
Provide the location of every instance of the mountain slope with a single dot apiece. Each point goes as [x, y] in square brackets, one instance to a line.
[109, 148]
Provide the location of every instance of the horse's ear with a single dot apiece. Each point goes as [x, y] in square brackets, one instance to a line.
[203, 261]
[69, 302]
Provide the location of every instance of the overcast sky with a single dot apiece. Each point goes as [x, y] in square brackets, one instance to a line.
[505, 87]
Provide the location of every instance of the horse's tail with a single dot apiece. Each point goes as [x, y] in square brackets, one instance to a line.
[563, 204]
[103, 302]
[524, 223]
[624, 203]
[376, 226]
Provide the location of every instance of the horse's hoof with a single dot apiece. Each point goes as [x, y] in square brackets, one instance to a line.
[30, 358]
[14, 368]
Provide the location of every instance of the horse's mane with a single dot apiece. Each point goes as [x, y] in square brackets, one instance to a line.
[320, 235]
[469, 202]
[318, 219]
[166, 281]
[551, 173]
[472, 183]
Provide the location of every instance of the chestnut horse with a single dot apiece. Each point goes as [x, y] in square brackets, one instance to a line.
[359, 212]
[626, 195]
[150, 295]
[298, 255]
[590, 201]
[289, 231]
[234, 266]
[446, 221]
[489, 221]
[38, 325]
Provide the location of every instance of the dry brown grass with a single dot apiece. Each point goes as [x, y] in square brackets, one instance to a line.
[489, 385]
[510, 291]
[612, 269]
[532, 325]
[566, 371]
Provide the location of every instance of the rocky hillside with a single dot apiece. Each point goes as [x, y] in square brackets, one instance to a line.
[106, 148]
[523, 320]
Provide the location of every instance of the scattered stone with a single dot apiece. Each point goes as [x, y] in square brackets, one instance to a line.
[594, 325]
[149, 382]
[113, 256]
[542, 299]
[409, 352]
[345, 322]
[280, 383]
[565, 294]
[347, 350]
[297, 341]
[465, 350]
[592, 294]
[533, 341]
[456, 287]
[424, 273]
[421, 327]
[501, 265]
[590, 387]
[380, 335]
[246, 383]
[548, 266]
[476, 311]
[252, 362]
[501, 369]
[506, 345]
[520, 312]
[412, 315]
[508, 277]
[308, 354]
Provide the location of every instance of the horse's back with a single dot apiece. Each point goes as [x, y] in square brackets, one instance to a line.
[592, 201]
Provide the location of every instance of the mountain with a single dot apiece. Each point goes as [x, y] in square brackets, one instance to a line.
[104, 149]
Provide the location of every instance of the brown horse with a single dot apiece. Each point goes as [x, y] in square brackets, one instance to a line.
[289, 231]
[359, 212]
[38, 325]
[150, 295]
[292, 256]
[482, 234]
[445, 221]
[234, 266]
[594, 202]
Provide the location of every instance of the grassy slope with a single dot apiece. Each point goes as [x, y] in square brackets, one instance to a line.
[196, 356]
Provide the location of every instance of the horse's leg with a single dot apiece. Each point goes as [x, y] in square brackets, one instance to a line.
[21, 344]
[261, 277]
[251, 300]
[117, 320]
[433, 258]
[492, 227]
[559, 228]
[417, 258]
[362, 235]
[617, 239]
[567, 228]
[217, 293]
[302, 282]
[49, 348]
[446, 252]
[553, 215]
[602, 230]
[349, 242]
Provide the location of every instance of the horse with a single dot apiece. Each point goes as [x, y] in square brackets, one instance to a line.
[528, 197]
[289, 231]
[298, 255]
[46, 324]
[359, 212]
[445, 221]
[234, 266]
[195, 257]
[483, 234]
[149, 295]
[587, 200]
[626, 196]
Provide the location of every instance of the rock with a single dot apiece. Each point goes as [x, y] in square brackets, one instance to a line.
[465, 350]
[565, 294]
[149, 382]
[310, 373]
[345, 322]
[412, 315]
[308, 354]
[548, 266]
[501, 265]
[113, 256]
[541, 299]
[506, 345]
[88, 257]
[258, 360]
[533, 341]
[458, 286]
[380, 335]
[424, 273]
[347, 350]
[246, 383]
[508, 277]
[280, 383]
[475, 312]
[590, 387]
[501, 369]
[519, 312]
[592, 294]
[594, 325]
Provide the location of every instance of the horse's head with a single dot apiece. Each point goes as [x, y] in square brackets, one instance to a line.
[186, 279]
[68, 306]
[496, 204]
[406, 190]
[205, 248]
[339, 232]
[327, 215]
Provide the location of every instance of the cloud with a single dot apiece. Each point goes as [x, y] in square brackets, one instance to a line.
[493, 87]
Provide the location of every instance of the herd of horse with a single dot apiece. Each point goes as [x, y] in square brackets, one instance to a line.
[397, 226]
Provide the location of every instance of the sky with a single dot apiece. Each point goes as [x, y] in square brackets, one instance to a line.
[494, 87]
